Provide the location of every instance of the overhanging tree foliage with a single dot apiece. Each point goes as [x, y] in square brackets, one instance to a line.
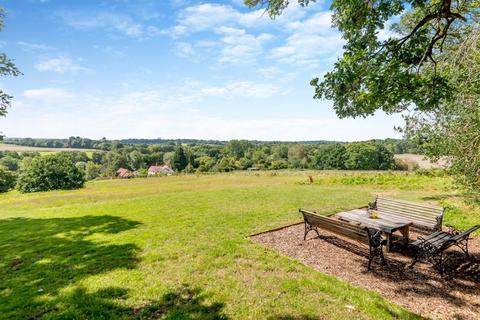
[429, 66]
[375, 74]
[7, 68]
[453, 129]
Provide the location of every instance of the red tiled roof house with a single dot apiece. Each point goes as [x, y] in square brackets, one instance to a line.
[124, 173]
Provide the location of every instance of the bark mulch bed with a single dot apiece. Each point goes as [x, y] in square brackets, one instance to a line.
[420, 289]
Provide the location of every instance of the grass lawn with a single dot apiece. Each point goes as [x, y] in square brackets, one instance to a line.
[176, 247]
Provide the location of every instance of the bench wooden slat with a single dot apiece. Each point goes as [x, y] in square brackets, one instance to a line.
[409, 211]
[358, 234]
[419, 210]
[412, 217]
[394, 217]
[419, 214]
[413, 210]
[335, 226]
[440, 239]
[420, 205]
[361, 234]
[320, 219]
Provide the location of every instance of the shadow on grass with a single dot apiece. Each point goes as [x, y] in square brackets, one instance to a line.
[182, 303]
[40, 257]
[288, 317]
[43, 260]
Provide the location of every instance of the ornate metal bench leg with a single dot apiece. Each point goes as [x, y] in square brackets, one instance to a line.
[373, 252]
[371, 255]
[308, 228]
[464, 246]
[414, 261]
[381, 255]
[438, 263]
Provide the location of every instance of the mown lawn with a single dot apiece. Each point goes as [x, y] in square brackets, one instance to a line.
[177, 248]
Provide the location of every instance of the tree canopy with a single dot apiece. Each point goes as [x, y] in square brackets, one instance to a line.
[392, 74]
[7, 68]
[452, 130]
[428, 66]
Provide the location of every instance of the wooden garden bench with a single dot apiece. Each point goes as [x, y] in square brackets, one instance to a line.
[421, 215]
[371, 237]
[432, 247]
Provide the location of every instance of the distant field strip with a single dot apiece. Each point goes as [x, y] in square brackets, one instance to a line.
[13, 147]
[421, 161]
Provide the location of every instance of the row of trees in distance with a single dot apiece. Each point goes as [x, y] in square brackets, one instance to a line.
[397, 146]
[29, 171]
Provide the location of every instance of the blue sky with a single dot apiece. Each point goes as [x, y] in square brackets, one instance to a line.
[173, 69]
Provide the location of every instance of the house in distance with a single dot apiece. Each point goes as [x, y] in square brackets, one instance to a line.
[124, 173]
[160, 170]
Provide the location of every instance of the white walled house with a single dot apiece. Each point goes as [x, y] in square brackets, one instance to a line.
[160, 170]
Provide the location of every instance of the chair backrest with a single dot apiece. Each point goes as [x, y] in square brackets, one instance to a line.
[336, 226]
[421, 215]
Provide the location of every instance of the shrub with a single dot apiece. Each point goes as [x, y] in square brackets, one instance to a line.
[92, 170]
[279, 164]
[9, 162]
[368, 156]
[205, 163]
[50, 172]
[331, 156]
[244, 163]
[141, 173]
[7, 179]
[179, 159]
[432, 172]
[226, 164]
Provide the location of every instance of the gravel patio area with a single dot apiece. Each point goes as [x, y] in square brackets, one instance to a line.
[420, 289]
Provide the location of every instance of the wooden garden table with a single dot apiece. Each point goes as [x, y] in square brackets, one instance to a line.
[387, 226]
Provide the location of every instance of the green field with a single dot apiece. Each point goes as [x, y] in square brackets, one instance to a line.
[42, 151]
[177, 247]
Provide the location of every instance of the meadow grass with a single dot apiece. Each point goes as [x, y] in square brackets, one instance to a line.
[177, 248]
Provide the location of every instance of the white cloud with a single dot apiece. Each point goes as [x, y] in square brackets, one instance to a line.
[60, 65]
[35, 46]
[113, 22]
[138, 102]
[184, 49]
[310, 36]
[245, 89]
[183, 110]
[311, 42]
[206, 16]
[48, 95]
[307, 49]
[239, 46]
[234, 47]
[211, 16]
[320, 22]
[196, 125]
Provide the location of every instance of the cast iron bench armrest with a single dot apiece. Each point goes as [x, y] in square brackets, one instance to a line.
[432, 249]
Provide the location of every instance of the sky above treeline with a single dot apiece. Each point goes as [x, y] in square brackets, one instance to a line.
[173, 69]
